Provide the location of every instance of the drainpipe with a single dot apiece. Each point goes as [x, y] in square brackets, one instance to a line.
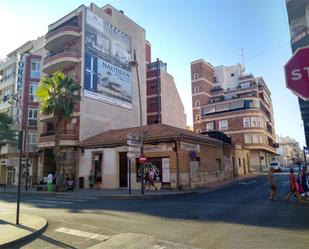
[177, 146]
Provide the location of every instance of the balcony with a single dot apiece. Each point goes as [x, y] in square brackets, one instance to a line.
[60, 59]
[7, 81]
[68, 138]
[57, 38]
[300, 38]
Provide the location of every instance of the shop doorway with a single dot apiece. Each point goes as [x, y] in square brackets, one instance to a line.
[123, 169]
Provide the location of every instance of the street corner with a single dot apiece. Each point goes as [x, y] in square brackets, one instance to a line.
[11, 234]
[126, 240]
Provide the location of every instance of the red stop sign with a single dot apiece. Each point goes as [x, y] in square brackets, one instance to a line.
[297, 73]
[142, 159]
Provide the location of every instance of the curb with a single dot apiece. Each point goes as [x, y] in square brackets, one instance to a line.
[137, 197]
[19, 240]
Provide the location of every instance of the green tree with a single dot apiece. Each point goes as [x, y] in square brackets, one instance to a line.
[58, 94]
[7, 135]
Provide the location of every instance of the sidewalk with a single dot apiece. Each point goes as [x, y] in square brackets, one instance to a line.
[123, 193]
[11, 234]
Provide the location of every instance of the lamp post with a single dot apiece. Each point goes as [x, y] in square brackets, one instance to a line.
[134, 64]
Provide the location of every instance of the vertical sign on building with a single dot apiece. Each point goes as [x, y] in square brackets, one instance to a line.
[19, 88]
[107, 74]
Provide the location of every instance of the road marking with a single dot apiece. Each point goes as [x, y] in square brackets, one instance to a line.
[82, 234]
[41, 204]
[247, 183]
[64, 199]
[49, 202]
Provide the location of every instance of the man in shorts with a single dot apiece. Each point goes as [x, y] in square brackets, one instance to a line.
[272, 184]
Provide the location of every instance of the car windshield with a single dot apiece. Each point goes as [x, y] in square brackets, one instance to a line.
[274, 164]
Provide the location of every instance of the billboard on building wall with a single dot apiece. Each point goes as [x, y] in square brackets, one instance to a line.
[107, 74]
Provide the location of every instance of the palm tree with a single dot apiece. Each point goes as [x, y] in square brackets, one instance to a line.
[7, 135]
[58, 94]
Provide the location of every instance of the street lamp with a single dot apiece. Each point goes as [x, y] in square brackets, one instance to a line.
[134, 64]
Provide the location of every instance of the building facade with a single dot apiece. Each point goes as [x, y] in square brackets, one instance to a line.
[289, 152]
[94, 45]
[298, 14]
[227, 100]
[20, 74]
[181, 159]
[164, 105]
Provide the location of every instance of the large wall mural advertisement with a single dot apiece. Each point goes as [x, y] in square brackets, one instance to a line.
[107, 74]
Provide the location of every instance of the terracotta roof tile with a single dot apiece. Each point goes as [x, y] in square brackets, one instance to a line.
[153, 132]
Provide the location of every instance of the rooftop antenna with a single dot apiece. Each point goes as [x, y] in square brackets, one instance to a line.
[242, 55]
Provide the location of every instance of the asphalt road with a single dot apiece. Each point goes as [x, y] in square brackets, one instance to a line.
[237, 216]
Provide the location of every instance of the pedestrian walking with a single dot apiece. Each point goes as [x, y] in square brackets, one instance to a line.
[151, 179]
[294, 190]
[272, 184]
[91, 180]
[147, 180]
[304, 181]
[50, 179]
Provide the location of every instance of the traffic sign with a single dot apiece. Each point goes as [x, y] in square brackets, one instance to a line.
[134, 149]
[142, 159]
[297, 73]
[131, 155]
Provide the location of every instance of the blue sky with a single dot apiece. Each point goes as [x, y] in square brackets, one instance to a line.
[183, 31]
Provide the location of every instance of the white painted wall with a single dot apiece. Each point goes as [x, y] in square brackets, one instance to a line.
[224, 78]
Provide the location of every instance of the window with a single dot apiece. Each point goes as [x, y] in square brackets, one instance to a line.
[255, 138]
[232, 74]
[198, 131]
[254, 122]
[32, 138]
[198, 118]
[196, 76]
[239, 162]
[196, 89]
[223, 125]
[197, 103]
[8, 72]
[247, 138]
[210, 126]
[35, 69]
[32, 116]
[6, 95]
[246, 121]
[32, 91]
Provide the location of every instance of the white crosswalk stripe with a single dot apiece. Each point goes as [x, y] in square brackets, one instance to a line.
[49, 201]
[82, 234]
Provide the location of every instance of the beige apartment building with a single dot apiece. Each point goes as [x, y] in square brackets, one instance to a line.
[225, 99]
[20, 74]
[95, 46]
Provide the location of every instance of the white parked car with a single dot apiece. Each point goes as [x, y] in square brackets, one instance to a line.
[276, 166]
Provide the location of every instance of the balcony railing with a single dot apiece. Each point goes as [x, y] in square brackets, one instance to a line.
[300, 34]
[66, 50]
[5, 78]
[62, 132]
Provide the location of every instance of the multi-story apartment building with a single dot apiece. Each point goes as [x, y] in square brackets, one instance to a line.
[164, 104]
[298, 14]
[288, 151]
[20, 74]
[227, 100]
[95, 46]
